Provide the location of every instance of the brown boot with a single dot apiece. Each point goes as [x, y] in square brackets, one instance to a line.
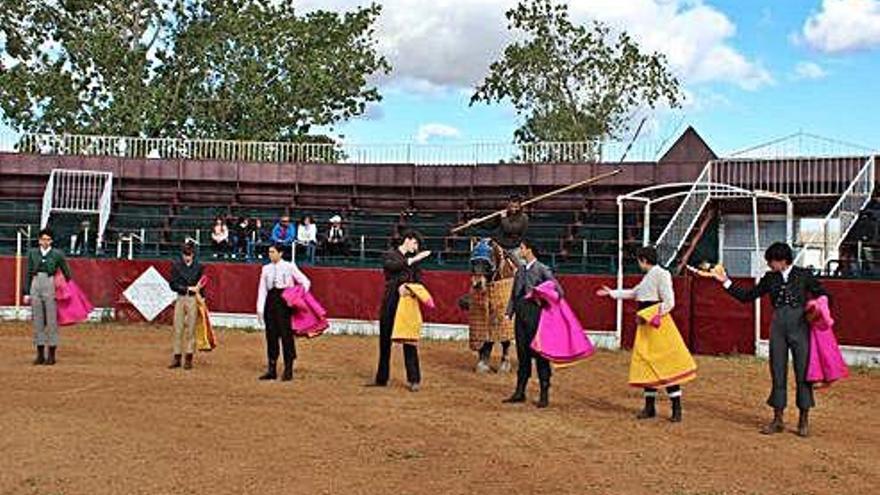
[775, 426]
[50, 359]
[41, 358]
[804, 423]
[175, 362]
[188, 362]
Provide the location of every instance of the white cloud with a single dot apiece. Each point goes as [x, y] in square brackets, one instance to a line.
[452, 42]
[843, 26]
[809, 70]
[428, 131]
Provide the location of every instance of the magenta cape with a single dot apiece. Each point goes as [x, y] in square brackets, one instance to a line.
[71, 303]
[560, 337]
[309, 318]
[826, 362]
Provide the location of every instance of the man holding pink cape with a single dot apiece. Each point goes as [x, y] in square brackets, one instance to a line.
[39, 290]
[528, 313]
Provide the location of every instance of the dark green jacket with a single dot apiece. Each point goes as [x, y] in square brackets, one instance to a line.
[51, 263]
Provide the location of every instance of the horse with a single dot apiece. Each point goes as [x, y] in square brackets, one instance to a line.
[492, 274]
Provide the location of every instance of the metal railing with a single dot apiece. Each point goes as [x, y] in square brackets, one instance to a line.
[797, 177]
[287, 152]
[78, 191]
[794, 177]
[838, 222]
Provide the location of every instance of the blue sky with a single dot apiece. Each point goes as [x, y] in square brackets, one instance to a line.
[753, 70]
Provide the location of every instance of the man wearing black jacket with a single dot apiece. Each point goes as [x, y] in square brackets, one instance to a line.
[400, 266]
[186, 273]
[527, 314]
[788, 287]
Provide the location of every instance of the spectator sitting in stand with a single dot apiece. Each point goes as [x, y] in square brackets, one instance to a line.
[307, 238]
[238, 230]
[337, 241]
[284, 234]
[254, 238]
[220, 238]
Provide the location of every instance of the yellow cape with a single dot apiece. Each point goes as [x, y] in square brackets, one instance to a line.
[408, 319]
[659, 356]
[205, 340]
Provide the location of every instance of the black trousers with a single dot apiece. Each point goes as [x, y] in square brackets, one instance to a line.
[410, 352]
[528, 314]
[277, 314]
[789, 332]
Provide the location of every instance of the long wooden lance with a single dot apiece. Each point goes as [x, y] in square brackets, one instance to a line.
[540, 197]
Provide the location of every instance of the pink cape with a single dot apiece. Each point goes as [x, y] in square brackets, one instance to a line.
[71, 303]
[826, 363]
[560, 337]
[309, 318]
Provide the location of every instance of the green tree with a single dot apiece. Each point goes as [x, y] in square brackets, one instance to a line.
[571, 82]
[225, 69]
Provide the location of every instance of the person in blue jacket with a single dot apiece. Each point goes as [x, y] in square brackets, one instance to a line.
[284, 234]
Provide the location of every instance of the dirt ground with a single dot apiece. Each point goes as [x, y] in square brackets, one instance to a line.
[110, 419]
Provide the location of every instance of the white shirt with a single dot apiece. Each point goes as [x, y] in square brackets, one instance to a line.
[786, 273]
[656, 285]
[530, 264]
[307, 233]
[44, 252]
[220, 233]
[279, 275]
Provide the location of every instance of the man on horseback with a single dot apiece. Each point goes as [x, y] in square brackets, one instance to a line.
[511, 227]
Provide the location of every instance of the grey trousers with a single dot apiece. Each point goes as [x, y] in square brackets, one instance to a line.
[44, 311]
[789, 331]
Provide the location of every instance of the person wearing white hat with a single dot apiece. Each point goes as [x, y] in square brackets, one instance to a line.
[337, 240]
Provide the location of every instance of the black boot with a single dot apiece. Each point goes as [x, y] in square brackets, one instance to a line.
[50, 359]
[175, 362]
[804, 423]
[650, 409]
[287, 375]
[270, 373]
[41, 358]
[544, 399]
[519, 395]
[778, 423]
[188, 362]
[676, 410]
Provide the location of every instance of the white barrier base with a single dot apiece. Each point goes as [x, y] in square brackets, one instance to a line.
[853, 355]
[431, 331]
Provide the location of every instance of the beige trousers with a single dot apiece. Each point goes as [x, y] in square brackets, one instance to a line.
[185, 314]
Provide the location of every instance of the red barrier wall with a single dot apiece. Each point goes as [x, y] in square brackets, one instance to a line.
[710, 321]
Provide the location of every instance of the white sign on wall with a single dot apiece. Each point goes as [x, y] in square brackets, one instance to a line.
[150, 293]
